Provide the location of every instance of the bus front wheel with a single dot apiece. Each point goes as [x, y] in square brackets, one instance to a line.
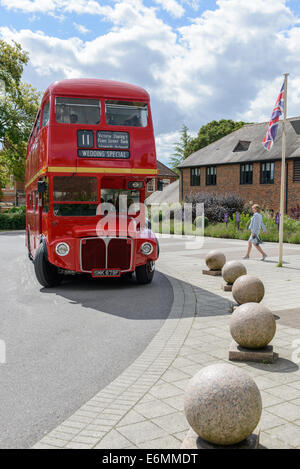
[46, 273]
[144, 273]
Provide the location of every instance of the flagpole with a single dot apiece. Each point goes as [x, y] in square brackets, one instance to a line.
[282, 185]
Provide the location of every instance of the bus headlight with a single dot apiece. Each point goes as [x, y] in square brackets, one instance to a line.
[62, 249]
[146, 249]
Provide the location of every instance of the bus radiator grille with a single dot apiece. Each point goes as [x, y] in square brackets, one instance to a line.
[119, 254]
[93, 254]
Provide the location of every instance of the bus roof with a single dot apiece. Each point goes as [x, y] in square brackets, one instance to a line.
[99, 88]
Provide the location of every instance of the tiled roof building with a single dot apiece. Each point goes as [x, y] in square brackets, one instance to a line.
[238, 163]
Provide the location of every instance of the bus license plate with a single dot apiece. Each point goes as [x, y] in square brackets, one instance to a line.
[106, 273]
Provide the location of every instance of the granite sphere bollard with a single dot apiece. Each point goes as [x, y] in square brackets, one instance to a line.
[222, 404]
[252, 325]
[215, 260]
[248, 289]
[233, 270]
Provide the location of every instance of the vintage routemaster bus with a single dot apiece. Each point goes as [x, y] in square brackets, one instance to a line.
[90, 155]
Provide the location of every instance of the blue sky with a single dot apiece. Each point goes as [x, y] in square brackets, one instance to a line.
[199, 59]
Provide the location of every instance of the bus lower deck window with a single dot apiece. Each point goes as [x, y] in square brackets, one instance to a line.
[77, 111]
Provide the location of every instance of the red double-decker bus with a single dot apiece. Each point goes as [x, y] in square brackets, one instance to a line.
[90, 155]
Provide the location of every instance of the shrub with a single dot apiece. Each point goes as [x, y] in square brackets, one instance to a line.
[215, 206]
[198, 221]
[20, 209]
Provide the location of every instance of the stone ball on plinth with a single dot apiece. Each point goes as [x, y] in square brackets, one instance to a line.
[233, 270]
[215, 260]
[252, 325]
[248, 289]
[222, 404]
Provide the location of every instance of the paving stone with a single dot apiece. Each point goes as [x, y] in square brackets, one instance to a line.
[268, 441]
[287, 392]
[168, 442]
[173, 375]
[77, 445]
[172, 423]
[161, 391]
[142, 432]
[288, 433]
[269, 421]
[58, 443]
[131, 417]
[177, 402]
[287, 411]
[43, 446]
[89, 440]
[113, 440]
[269, 400]
[156, 409]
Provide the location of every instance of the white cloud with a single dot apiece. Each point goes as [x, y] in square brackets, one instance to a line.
[82, 29]
[227, 63]
[172, 7]
[29, 6]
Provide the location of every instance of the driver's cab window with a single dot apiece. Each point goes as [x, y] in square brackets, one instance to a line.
[120, 200]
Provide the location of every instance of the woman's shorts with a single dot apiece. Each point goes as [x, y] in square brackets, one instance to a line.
[255, 240]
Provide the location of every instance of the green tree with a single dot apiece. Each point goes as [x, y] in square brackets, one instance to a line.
[180, 148]
[18, 107]
[211, 132]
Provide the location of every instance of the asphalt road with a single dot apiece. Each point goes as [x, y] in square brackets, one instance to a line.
[65, 344]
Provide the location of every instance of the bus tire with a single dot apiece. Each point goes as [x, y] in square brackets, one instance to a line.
[145, 273]
[127, 276]
[46, 273]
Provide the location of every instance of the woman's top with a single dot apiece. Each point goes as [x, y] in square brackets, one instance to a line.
[256, 224]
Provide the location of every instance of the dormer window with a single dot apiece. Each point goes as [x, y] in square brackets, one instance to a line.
[296, 126]
[243, 145]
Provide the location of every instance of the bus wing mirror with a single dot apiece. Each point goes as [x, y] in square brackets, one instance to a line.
[41, 187]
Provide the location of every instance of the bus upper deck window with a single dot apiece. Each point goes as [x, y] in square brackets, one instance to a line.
[128, 114]
[77, 111]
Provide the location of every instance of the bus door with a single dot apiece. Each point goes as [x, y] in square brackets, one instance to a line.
[43, 191]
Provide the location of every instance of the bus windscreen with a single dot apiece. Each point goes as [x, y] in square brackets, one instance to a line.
[75, 189]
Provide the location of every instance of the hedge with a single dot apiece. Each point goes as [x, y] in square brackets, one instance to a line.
[12, 221]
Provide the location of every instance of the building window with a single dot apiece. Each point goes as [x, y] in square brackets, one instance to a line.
[246, 176]
[296, 177]
[211, 175]
[267, 173]
[151, 186]
[242, 146]
[296, 126]
[195, 176]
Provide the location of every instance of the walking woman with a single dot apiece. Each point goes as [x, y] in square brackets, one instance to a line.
[256, 224]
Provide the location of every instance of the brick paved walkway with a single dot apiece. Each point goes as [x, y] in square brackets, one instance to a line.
[143, 407]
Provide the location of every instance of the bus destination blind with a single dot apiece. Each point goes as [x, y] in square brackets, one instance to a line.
[111, 154]
[113, 140]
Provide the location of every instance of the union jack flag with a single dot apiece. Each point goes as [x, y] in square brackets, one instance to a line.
[273, 124]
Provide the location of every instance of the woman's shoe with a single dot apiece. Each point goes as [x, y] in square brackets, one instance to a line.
[246, 257]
